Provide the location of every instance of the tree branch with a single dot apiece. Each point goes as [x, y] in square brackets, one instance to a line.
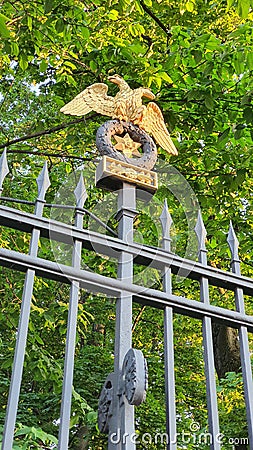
[44, 132]
[137, 318]
[52, 155]
[156, 19]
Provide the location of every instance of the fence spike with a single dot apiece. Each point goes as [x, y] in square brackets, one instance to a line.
[43, 182]
[80, 193]
[4, 169]
[166, 220]
[233, 242]
[200, 231]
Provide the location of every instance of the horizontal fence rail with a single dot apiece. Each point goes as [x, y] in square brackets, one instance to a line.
[112, 287]
[154, 257]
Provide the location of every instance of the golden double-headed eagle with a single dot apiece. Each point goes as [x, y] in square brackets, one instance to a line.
[125, 106]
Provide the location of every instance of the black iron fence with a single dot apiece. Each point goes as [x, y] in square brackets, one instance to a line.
[127, 385]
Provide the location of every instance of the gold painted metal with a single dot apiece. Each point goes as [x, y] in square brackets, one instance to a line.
[127, 146]
[126, 106]
[112, 172]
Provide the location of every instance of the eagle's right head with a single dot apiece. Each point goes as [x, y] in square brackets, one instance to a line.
[116, 79]
[146, 92]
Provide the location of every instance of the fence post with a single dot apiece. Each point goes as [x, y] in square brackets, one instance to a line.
[121, 428]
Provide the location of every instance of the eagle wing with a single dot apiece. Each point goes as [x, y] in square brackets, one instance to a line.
[93, 98]
[153, 123]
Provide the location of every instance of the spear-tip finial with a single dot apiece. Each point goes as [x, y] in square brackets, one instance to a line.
[233, 242]
[43, 182]
[166, 220]
[4, 169]
[80, 193]
[200, 232]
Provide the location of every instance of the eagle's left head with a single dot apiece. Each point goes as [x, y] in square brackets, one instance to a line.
[117, 79]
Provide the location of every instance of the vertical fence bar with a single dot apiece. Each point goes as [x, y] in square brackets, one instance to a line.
[166, 222]
[243, 335]
[212, 406]
[43, 183]
[81, 196]
[122, 422]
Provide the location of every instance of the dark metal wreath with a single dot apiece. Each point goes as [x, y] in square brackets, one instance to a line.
[112, 127]
[104, 404]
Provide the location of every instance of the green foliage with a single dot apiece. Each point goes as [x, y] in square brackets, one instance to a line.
[35, 437]
[230, 399]
[32, 437]
[243, 7]
[197, 57]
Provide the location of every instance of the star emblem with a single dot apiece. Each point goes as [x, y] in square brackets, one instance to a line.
[127, 146]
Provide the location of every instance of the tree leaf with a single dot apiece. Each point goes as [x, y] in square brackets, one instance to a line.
[48, 6]
[209, 126]
[29, 22]
[230, 3]
[209, 102]
[59, 26]
[213, 43]
[246, 99]
[137, 48]
[4, 31]
[14, 49]
[189, 6]
[113, 14]
[23, 61]
[166, 77]
[197, 55]
[85, 33]
[126, 53]
[243, 8]
[93, 65]
[223, 135]
[38, 339]
[23, 430]
[250, 60]
[43, 65]
[139, 7]
[248, 114]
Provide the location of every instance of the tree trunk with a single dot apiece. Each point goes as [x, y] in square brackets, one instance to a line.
[80, 442]
[226, 350]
